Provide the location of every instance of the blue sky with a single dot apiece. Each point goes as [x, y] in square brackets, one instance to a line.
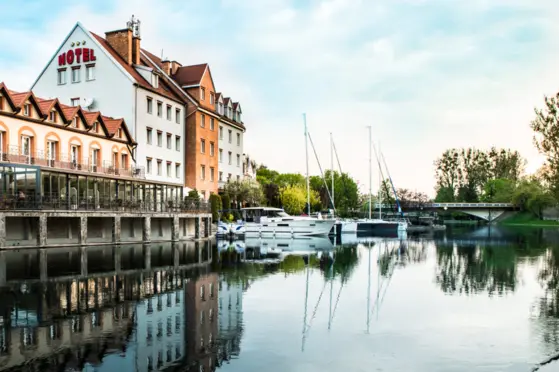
[425, 74]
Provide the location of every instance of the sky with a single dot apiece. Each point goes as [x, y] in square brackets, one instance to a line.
[426, 75]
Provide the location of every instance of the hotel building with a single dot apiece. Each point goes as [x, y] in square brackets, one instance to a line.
[109, 74]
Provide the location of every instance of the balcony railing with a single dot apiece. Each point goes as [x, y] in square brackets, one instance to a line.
[16, 155]
[109, 204]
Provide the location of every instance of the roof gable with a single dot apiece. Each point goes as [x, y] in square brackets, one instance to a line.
[187, 76]
[8, 96]
[48, 105]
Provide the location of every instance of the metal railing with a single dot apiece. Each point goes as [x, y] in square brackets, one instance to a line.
[110, 204]
[16, 155]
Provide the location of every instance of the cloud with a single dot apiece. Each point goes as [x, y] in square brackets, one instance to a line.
[426, 75]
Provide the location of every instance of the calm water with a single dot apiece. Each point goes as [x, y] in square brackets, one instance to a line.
[467, 300]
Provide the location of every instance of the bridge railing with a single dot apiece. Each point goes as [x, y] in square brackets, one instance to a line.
[412, 205]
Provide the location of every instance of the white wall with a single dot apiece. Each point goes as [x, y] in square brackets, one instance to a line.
[152, 150]
[225, 146]
[112, 90]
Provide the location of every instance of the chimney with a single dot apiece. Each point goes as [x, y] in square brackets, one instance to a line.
[121, 42]
[166, 66]
[174, 67]
[136, 50]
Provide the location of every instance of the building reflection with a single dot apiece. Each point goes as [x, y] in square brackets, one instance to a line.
[72, 310]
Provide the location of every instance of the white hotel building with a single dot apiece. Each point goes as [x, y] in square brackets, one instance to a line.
[109, 75]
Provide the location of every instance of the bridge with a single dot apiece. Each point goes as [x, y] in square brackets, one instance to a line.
[486, 211]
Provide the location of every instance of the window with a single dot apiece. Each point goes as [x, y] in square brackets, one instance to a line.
[220, 176]
[124, 161]
[238, 139]
[75, 101]
[115, 159]
[159, 108]
[212, 149]
[74, 154]
[52, 116]
[159, 166]
[230, 157]
[177, 143]
[159, 138]
[26, 109]
[90, 72]
[94, 157]
[212, 124]
[61, 76]
[148, 163]
[230, 135]
[51, 150]
[203, 146]
[149, 106]
[75, 122]
[238, 160]
[76, 75]
[178, 116]
[220, 155]
[211, 174]
[2, 142]
[202, 93]
[169, 169]
[220, 133]
[169, 112]
[202, 121]
[230, 113]
[149, 135]
[220, 109]
[212, 98]
[202, 172]
[95, 127]
[169, 141]
[155, 80]
[119, 133]
[178, 170]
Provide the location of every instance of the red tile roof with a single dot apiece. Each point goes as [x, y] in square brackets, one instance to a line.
[163, 89]
[190, 75]
[69, 112]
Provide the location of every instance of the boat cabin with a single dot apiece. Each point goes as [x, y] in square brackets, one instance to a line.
[257, 214]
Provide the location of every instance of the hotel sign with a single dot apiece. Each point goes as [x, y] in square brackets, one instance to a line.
[77, 55]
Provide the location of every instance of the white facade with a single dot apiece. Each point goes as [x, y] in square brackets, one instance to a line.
[115, 93]
[230, 153]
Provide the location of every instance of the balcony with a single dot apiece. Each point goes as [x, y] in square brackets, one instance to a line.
[15, 155]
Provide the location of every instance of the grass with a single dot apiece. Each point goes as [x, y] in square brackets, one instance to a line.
[528, 219]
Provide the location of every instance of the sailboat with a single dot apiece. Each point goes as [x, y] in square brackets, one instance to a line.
[370, 225]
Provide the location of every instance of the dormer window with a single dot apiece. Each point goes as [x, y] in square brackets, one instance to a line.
[52, 116]
[119, 133]
[95, 127]
[220, 110]
[75, 122]
[239, 116]
[202, 93]
[230, 113]
[1, 102]
[155, 80]
[26, 109]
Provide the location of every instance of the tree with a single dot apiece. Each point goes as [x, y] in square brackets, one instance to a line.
[530, 196]
[445, 195]
[546, 139]
[293, 199]
[216, 206]
[272, 195]
[499, 190]
[448, 172]
[193, 194]
[226, 201]
[244, 192]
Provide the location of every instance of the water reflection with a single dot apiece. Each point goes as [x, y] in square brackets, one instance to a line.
[232, 305]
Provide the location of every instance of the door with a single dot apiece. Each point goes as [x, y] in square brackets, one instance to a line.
[51, 153]
[74, 154]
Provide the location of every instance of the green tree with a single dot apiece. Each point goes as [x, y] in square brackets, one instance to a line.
[193, 194]
[499, 190]
[445, 195]
[531, 196]
[265, 176]
[226, 201]
[216, 206]
[247, 192]
[546, 139]
[448, 172]
[290, 179]
[294, 199]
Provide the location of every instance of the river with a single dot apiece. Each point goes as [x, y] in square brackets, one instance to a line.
[464, 300]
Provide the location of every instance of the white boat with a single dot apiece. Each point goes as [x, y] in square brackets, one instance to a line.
[291, 245]
[267, 221]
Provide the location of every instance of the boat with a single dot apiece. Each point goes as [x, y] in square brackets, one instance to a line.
[268, 221]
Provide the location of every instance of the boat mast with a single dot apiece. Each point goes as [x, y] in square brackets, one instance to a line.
[370, 172]
[379, 186]
[332, 166]
[307, 161]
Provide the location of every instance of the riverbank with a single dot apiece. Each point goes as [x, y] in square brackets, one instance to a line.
[527, 219]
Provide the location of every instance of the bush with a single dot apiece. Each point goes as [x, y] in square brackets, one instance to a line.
[215, 202]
